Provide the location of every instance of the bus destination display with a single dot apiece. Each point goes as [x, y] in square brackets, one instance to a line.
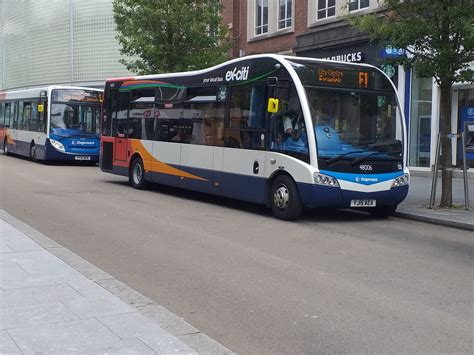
[339, 77]
[75, 95]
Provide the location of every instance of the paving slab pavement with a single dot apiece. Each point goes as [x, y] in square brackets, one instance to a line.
[53, 301]
[416, 204]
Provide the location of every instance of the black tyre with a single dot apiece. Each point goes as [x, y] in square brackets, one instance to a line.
[5, 147]
[137, 174]
[383, 211]
[33, 152]
[284, 199]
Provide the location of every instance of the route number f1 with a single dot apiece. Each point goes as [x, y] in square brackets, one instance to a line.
[363, 79]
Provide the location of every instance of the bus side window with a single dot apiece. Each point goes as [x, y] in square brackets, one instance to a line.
[141, 114]
[109, 112]
[15, 115]
[27, 116]
[2, 117]
[205, 115]
[7, 113]
[118, 112]
[246, 125]
[34, 122]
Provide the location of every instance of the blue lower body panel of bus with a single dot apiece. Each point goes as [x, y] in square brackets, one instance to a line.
[324, 196]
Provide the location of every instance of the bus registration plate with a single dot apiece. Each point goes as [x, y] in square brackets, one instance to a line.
[363, 203]
[82, 157]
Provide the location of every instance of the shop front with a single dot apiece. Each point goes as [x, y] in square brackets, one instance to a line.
[423, 107]
[420, 97]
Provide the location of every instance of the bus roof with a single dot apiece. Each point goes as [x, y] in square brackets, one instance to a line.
[283, 59]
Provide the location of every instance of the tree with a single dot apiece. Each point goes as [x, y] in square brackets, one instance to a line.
[170, 35]
[438, 36]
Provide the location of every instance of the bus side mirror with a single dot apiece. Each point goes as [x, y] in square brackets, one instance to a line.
[273, 105]
[40, 108]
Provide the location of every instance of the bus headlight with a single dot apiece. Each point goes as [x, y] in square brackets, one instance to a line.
[58, 145]
[325, 180]
[401, 181]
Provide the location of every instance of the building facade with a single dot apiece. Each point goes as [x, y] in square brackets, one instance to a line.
[57, 42]
[317, 29]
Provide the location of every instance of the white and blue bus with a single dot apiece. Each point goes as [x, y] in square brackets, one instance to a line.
[51, 123]
[288, 132]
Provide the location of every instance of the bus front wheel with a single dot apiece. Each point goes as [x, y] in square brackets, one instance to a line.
[33, 152]
[137, 174]
[285, 200]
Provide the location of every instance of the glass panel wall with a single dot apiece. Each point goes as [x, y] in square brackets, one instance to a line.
[420, 121]
[465, 114]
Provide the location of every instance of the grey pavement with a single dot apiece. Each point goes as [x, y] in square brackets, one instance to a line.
[52, 301]
[416, 204]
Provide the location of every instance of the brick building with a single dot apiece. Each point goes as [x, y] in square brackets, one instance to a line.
[274, 31]
[317, 28]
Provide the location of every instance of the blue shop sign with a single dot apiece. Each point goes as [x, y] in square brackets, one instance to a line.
[391, 52]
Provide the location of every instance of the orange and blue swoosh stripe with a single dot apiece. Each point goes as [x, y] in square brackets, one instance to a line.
[154, 165]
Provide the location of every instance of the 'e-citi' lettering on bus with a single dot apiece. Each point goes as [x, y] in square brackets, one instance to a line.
[235, 74]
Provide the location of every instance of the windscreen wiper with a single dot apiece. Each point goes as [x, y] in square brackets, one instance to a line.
[362, 158]
[340, 156]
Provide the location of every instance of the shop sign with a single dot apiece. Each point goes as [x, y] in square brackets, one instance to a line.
[389, 70]
[392, 52]
[354, 57]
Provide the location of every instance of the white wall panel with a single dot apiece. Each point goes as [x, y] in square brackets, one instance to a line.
[57, 42]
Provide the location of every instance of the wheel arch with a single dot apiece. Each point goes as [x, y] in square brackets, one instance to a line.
[271, 178]
[135, 155]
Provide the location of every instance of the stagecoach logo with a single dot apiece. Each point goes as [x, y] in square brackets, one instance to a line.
[82, 143]
[236, 74]
[366, 179]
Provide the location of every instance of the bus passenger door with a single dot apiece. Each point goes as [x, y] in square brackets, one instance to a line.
[120, 147]
[121, 141]
[217, 165]
[245, 139]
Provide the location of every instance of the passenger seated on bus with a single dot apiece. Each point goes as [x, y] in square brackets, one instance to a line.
[296, 136]
[179, 137]
[289, 131]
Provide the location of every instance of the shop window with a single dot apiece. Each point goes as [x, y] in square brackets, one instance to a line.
[261, 20]
[285, 14]
[358, 4]
[326, 8]
[420, 121]
[465, 114]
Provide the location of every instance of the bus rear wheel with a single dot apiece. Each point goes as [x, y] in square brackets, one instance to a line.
[137, 174]
[285, 200]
